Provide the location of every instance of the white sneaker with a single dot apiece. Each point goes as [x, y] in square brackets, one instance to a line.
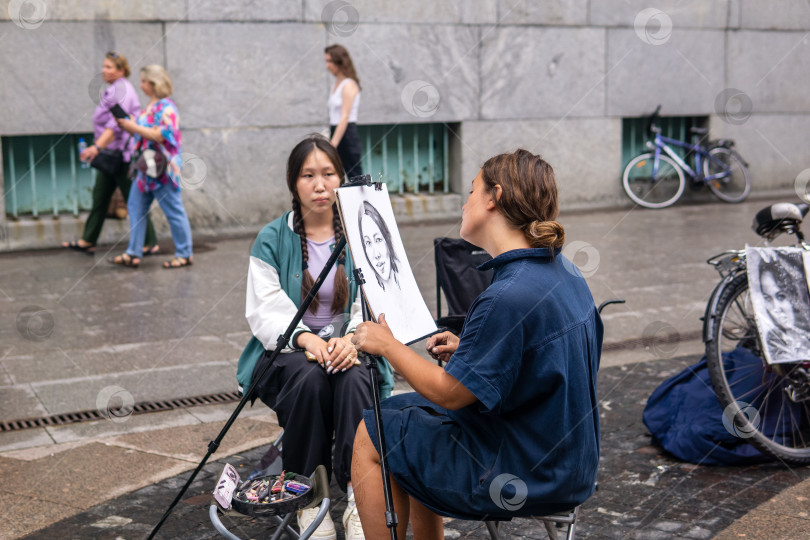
[351, 521]
[325, 531]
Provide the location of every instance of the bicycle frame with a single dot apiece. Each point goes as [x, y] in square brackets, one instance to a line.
[728, 264]
[700, 153]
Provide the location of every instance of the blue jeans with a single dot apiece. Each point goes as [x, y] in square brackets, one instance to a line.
[172, 205]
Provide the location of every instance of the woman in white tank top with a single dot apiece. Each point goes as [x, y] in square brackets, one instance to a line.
[344, 101]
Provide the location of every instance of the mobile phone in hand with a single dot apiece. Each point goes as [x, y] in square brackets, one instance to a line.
[118, 111]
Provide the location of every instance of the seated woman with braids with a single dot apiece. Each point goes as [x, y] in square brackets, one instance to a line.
[325, 396]
[510, 426]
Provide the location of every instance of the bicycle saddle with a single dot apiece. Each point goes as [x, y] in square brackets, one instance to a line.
[699, 130]
[725, 143]
[779, 217]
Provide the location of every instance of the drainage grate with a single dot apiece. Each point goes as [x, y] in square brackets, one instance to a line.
[139, 408]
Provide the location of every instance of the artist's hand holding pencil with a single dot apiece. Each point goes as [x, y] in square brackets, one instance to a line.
[373, 338]
[442, 346]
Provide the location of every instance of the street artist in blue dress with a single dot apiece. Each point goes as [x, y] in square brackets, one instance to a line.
[510, 426]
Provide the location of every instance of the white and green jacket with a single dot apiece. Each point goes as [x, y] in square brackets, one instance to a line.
[274, 296]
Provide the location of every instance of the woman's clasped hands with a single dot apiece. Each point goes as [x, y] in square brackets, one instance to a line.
[336, 355]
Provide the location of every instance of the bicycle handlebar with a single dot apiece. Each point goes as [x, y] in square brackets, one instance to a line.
[651, 120]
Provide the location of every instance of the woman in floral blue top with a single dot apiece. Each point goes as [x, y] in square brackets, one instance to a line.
[157, 129]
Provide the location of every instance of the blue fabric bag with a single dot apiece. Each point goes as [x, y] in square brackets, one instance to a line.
[685, 418]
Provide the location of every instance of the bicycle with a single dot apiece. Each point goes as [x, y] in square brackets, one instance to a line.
[767, 403]
[656, 179]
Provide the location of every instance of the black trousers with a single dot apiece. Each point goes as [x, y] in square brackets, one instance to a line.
[312, 406]
[350, 150]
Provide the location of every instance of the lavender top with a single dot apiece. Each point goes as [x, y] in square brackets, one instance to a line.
[122, 92]
[319, 253]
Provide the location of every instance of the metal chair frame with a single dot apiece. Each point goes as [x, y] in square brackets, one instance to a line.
[551, 522]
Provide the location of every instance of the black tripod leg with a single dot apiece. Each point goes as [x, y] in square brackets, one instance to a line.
[371, 363]
[390, 513]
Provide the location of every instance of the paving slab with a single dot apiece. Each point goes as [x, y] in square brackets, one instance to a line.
[786, 515]
[175, 352]
[20, 401]
[99, 429]
[15, 440]
[89, 473]
[155, 384]
[5, 376]
[25, 513]
[220, 413]
[59, 363]
[81, 477]
[191, 442]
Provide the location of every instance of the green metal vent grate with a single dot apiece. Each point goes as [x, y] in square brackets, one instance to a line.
[412, 158]
[42, 174]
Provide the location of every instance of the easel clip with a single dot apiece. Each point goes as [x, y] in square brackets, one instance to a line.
[364, 180]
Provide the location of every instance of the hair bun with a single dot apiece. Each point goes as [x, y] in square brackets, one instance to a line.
[548, 234]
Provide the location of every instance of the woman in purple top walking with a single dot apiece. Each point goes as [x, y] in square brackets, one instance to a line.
[107, 134]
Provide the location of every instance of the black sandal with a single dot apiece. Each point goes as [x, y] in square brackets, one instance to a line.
[74, 245]
[177, 262]
[151, 250]
[125, 259]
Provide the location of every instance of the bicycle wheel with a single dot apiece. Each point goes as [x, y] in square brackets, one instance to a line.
[653, 192]
[754, 395]
[733, 187]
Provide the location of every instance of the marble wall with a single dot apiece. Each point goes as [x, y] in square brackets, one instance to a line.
[556, 77]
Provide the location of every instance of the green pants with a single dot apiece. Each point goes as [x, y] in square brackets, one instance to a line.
[102, 193]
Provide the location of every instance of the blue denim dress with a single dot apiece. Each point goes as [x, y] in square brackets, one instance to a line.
[529, 445]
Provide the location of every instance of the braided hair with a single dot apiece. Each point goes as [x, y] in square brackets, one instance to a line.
[295, 163]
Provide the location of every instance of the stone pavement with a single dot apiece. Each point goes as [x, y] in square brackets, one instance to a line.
[642, 493]
[103, 334]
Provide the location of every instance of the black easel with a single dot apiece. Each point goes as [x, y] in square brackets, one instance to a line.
[371, 363]
[281, 343]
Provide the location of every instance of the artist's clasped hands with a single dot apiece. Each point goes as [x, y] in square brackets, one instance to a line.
[373, 338]
[442, 346]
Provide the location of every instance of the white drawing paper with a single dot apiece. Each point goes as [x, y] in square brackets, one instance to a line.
[377, 250]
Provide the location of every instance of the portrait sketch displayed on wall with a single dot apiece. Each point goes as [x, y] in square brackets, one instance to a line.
[777, 281]
[377, 249]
